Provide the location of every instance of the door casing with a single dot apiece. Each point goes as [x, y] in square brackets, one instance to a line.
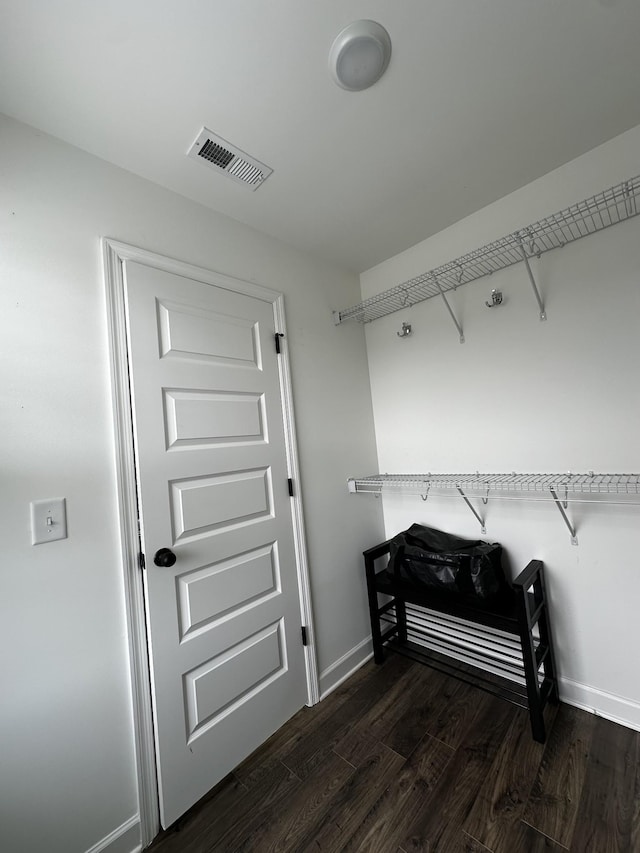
[114, 254]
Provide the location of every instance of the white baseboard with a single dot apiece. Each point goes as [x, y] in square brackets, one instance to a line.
[340, 670]
[123, 839]
[607, 705]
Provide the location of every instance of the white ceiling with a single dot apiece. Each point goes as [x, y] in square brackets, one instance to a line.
[480, 97]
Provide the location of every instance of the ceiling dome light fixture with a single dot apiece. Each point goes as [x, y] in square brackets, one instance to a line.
[359, 55]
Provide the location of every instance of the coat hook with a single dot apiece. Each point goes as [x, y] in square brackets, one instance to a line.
[405, 331]
[496, 299]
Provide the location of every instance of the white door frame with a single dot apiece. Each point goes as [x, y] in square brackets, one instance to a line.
[114, 255]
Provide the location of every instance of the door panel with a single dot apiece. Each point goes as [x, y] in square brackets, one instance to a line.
[215, 592]
[207, 504]
[189, 332]
[224, 622]
[201, 418]
[214, 688]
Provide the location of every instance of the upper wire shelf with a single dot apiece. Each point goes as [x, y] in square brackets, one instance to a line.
[600, 211]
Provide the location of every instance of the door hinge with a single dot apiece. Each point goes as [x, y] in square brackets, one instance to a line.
[305, 636]
[290, 484]
[141, 561]
[277, 336]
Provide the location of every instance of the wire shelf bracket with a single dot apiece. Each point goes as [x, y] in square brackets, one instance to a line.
[450, 310]
[483, 528]
[561, 507]
[543, 313]
[594, 214]
[561, 489]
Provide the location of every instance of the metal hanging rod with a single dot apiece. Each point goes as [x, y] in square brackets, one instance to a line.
[558, 488]
[609, 207]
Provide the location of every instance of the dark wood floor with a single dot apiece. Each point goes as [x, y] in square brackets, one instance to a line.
[402, 759]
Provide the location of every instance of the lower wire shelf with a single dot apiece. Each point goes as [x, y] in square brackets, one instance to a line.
[557, 488]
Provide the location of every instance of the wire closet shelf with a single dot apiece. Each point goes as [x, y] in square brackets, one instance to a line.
[600, 211]
[581, 487]
[557, 488]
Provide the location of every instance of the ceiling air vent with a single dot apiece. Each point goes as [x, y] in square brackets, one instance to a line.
[217, 153]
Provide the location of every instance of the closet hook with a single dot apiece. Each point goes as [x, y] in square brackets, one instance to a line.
[496, 299]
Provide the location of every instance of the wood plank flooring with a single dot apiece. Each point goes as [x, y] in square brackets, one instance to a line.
[401, 759]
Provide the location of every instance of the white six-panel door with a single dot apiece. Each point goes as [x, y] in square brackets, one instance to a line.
[224, 621]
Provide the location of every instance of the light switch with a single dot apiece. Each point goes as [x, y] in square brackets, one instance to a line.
[48, 520]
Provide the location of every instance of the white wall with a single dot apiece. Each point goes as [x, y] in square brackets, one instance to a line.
[531, 396]
[67, 767]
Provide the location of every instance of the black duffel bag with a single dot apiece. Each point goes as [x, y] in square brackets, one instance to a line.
[471, 570]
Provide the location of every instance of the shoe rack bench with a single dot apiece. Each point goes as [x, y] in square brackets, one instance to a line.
[522, 613]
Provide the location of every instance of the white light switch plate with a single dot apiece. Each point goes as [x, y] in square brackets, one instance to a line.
[48, 520]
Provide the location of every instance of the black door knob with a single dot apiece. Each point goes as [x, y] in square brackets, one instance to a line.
[164, 557]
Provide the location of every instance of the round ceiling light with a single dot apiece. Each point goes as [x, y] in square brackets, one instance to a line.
[359, 55]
